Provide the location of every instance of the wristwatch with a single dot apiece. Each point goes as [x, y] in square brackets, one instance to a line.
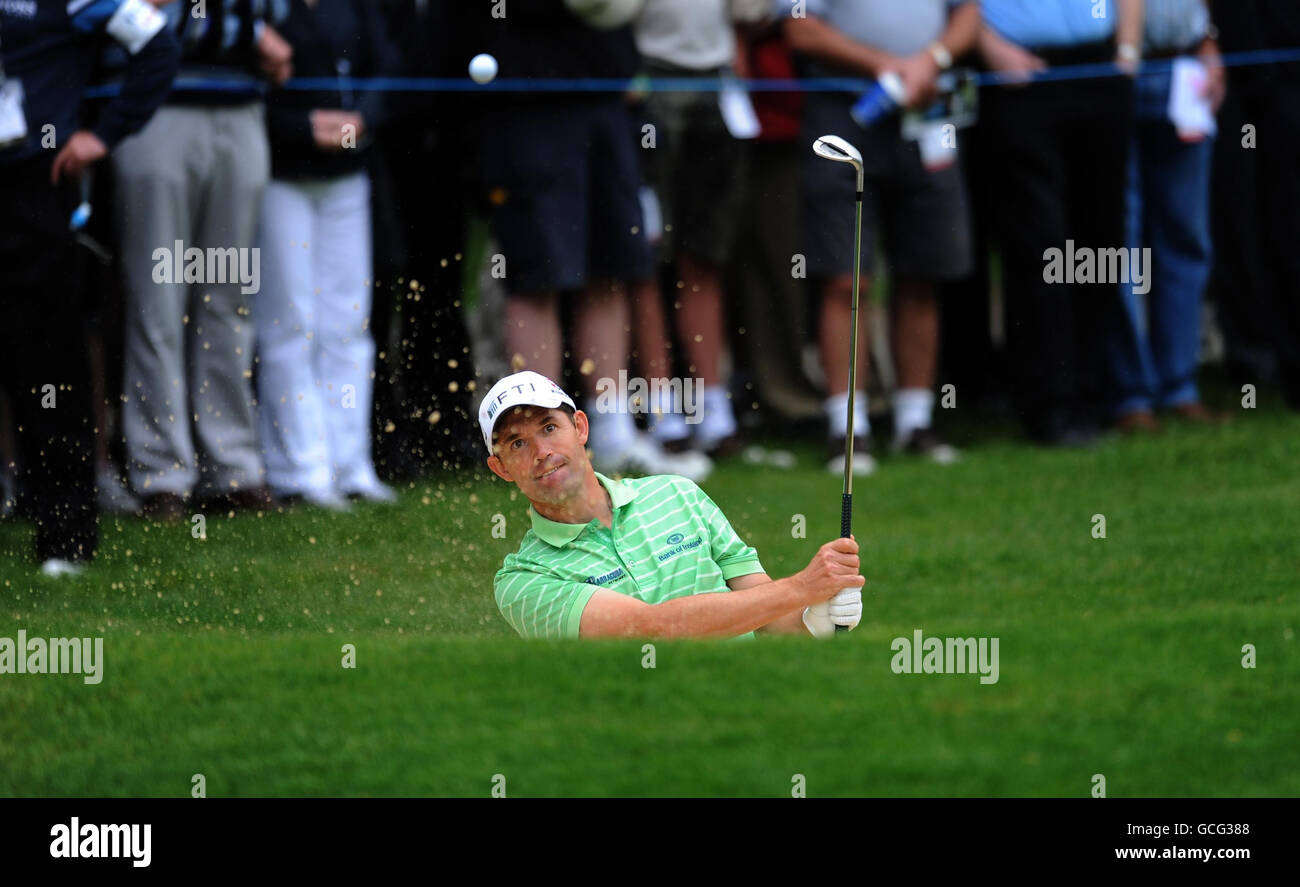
[942, 57]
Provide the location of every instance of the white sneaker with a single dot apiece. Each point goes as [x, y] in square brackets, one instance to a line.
[644, 455]
[330, 501]
[929, 443]
[375, 492]
[863, 462]
[783, 459]
[669, 427]
[326, 499]
[56, 566]
[690, 464]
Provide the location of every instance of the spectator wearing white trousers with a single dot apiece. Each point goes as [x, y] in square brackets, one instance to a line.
[315, 349]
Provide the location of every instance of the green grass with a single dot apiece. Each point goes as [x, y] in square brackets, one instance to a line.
[1119, 656]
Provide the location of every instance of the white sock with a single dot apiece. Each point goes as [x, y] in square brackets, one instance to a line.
[913, 409]
[666, 419]
[719, 421]
[611, 433]
[837, 414]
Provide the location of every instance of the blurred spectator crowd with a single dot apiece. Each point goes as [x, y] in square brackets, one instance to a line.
[236, 275]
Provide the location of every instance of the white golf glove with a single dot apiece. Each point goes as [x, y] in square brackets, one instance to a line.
[845, 608]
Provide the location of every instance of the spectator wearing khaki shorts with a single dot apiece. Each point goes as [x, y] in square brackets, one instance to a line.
[918, 205]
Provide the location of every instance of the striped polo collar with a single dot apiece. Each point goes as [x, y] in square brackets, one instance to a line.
[558, 534]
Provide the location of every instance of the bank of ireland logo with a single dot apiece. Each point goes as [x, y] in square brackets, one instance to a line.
[677, 543]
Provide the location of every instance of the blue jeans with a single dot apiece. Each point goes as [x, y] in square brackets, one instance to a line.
[1153, 353]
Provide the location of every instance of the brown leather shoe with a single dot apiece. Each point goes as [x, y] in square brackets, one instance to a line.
[252, 499]
[249, 499]
[1199, 414]
[1137, 422]
[729, 446]
[166, 508]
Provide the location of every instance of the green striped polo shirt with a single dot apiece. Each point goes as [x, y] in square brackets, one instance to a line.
[668, 540]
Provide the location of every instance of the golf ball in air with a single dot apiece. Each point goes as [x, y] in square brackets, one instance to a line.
[482, 68]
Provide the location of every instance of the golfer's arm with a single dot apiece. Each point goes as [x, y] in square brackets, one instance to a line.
[815, 38]
[715, 615]
[790, 623]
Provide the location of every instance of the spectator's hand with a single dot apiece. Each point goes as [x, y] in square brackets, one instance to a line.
[637, 90]
[918, 73]
[78, 153]
[274, 56]
[1007, 58]
[1216, 84]
[327, 128]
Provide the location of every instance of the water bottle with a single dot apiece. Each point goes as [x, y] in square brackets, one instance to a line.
[877, 103]
[81, 215]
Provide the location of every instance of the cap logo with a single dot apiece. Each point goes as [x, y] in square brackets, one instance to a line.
[532, 389]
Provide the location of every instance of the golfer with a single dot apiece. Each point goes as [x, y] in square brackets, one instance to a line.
[640, 557]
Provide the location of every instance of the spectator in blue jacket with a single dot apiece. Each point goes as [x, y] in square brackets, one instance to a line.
[1060, 149]
[47, 52]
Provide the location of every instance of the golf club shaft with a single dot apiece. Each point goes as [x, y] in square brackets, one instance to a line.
[846, 500]
[853, 367]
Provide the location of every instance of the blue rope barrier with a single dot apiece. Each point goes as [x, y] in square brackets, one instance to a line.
[687, 84]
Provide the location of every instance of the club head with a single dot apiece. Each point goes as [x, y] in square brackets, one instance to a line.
[832, 147]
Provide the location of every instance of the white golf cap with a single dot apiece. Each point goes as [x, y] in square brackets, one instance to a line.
[520, 389]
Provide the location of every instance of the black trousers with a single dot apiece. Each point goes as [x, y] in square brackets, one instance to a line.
[1256, 217]
[43, 366]
[421, 207]
[1058, 157]
[968, 356]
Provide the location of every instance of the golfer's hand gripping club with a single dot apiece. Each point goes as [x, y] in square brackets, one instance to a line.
[834, 584]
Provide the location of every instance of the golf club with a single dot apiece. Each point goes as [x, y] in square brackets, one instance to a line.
[832, 147]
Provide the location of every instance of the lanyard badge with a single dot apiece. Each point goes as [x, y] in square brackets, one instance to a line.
[13, 122]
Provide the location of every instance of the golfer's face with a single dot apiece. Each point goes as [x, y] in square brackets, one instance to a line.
[543, 452]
